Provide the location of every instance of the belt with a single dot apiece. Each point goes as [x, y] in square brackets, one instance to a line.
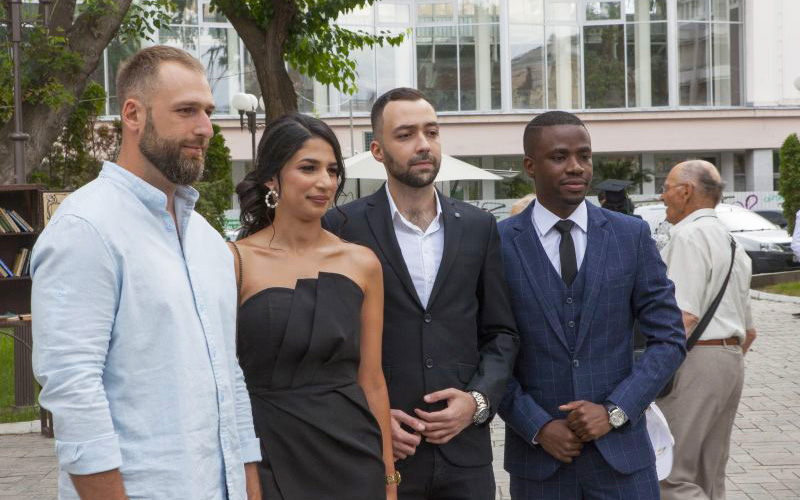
[729, 341]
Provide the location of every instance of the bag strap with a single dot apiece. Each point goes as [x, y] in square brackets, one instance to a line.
[701, 326]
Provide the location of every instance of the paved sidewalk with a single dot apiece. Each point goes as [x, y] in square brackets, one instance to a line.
[765, 453]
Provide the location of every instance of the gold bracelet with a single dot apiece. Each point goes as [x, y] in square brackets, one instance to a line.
[394, 478]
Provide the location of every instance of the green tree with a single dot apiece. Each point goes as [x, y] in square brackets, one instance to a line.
[58, 61]
[624, 170]
[789, 186]
[303, 33]
[216, 187]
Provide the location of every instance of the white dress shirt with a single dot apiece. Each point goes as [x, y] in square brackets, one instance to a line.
[698, 257]
[422, 250]
[544, 221]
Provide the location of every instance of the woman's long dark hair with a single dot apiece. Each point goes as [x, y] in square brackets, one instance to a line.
[281, 140]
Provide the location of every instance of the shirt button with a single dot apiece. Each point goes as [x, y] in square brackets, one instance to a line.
[428, 320]
[569, 300]
[575, 363]
[429, 363]
[571, 324]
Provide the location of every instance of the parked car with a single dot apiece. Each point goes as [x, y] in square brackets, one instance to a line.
[774, 216]
[768, 246]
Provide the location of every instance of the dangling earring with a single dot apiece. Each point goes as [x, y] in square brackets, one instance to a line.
[273, 202]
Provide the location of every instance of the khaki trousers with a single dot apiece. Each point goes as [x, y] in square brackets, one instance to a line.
[700, 412]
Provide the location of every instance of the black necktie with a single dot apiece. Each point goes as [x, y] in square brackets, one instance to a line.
[566, 250]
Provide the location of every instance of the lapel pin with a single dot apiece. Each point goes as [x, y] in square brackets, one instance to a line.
[457, 214]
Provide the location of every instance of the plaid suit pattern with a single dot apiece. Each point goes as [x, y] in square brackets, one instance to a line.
[625, 280]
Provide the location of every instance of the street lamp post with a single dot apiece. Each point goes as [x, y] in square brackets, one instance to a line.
[246, 105]
[17, 136]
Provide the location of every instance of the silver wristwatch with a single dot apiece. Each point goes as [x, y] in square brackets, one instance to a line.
[616, 417]
[482, 408]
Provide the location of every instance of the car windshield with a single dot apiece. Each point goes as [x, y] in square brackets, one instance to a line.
[744, 220]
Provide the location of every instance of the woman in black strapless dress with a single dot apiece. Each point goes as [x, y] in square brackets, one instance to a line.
[309, 326]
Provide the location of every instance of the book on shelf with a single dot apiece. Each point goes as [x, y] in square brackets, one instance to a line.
[4, 227]
[12, 226]
[21, 222]
[4, 270]
[19, 262]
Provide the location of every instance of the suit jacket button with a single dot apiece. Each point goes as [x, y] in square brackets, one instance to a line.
[576, 363]
[571, 324]
[427, 319]
[569, 300]
[429, 363]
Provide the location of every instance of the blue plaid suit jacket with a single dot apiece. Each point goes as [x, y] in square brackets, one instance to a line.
[626, 280]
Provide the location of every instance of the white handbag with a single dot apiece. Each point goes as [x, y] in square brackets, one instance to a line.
[661, 438]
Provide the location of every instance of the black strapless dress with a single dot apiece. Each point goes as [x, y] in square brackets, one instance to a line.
[299, 351]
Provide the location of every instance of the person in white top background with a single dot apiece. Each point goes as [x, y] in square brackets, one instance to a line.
[702, 405]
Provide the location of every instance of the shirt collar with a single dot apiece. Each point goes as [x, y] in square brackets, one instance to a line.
[396, 215]
[152, 197]
[544, 219]
[702, 212]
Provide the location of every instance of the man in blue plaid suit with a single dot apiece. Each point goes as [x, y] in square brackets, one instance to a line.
[579, 276]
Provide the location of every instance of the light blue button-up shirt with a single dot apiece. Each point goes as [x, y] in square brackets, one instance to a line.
[134, 343]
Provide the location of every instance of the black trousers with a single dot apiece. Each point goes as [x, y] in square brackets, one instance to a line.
[428, 475]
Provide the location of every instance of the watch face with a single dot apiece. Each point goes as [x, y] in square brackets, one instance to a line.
[616, 418]
[482, 416]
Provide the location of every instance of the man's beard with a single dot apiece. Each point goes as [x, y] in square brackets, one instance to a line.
[408, 176]
[167, 157]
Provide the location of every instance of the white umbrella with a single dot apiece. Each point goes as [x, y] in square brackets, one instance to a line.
[365, 166]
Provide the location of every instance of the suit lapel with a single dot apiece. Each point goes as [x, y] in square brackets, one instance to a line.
[534, 261]
[380, 222]
[451, 219]
[596, 248]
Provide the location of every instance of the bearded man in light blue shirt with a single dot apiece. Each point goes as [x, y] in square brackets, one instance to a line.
[134, 310]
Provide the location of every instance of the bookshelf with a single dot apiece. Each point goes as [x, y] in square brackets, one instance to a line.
[15, 292]
[25, 200]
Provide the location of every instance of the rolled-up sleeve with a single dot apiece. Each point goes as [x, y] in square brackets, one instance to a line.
[74, 299]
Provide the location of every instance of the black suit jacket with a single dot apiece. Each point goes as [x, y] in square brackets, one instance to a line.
[466, 337]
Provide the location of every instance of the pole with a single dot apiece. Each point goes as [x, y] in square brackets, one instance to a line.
[18, 136]
[251, 124]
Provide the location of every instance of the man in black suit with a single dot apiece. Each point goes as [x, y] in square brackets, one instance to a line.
[449, 338]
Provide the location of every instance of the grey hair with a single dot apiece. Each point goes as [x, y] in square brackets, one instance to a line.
[704, 176]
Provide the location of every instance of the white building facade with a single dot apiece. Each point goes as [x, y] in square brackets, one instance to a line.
[655, 81]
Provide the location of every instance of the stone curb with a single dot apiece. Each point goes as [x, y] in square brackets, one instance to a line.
[775, 297]
[21, 427]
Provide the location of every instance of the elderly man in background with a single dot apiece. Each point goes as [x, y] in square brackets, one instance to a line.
[702, 405]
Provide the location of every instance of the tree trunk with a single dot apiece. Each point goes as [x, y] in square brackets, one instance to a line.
[267, 50]
[88, 39]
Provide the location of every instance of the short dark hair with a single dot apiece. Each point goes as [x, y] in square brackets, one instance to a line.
[548, 119]
[398, 94]
[138, 75]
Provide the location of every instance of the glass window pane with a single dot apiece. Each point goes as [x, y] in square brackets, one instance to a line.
[726, 55]
[561, 11]
[361, 16]
[526, 47]
[603, 11]
[439, 12]
[182, 37]
[526, 11]
[185, 12]
[479, 57]
[213, 17]
[479, 11]
[117, 52]
[251, 85]
[693, 70]
[604, 64]
[393, 13]
[693, 10]
[646, 10]
[219, 51]
[437, 69]
[365, 81]
[726, 10]
[304, 86]
[647, 65]
[394, 66]
[563, 68]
